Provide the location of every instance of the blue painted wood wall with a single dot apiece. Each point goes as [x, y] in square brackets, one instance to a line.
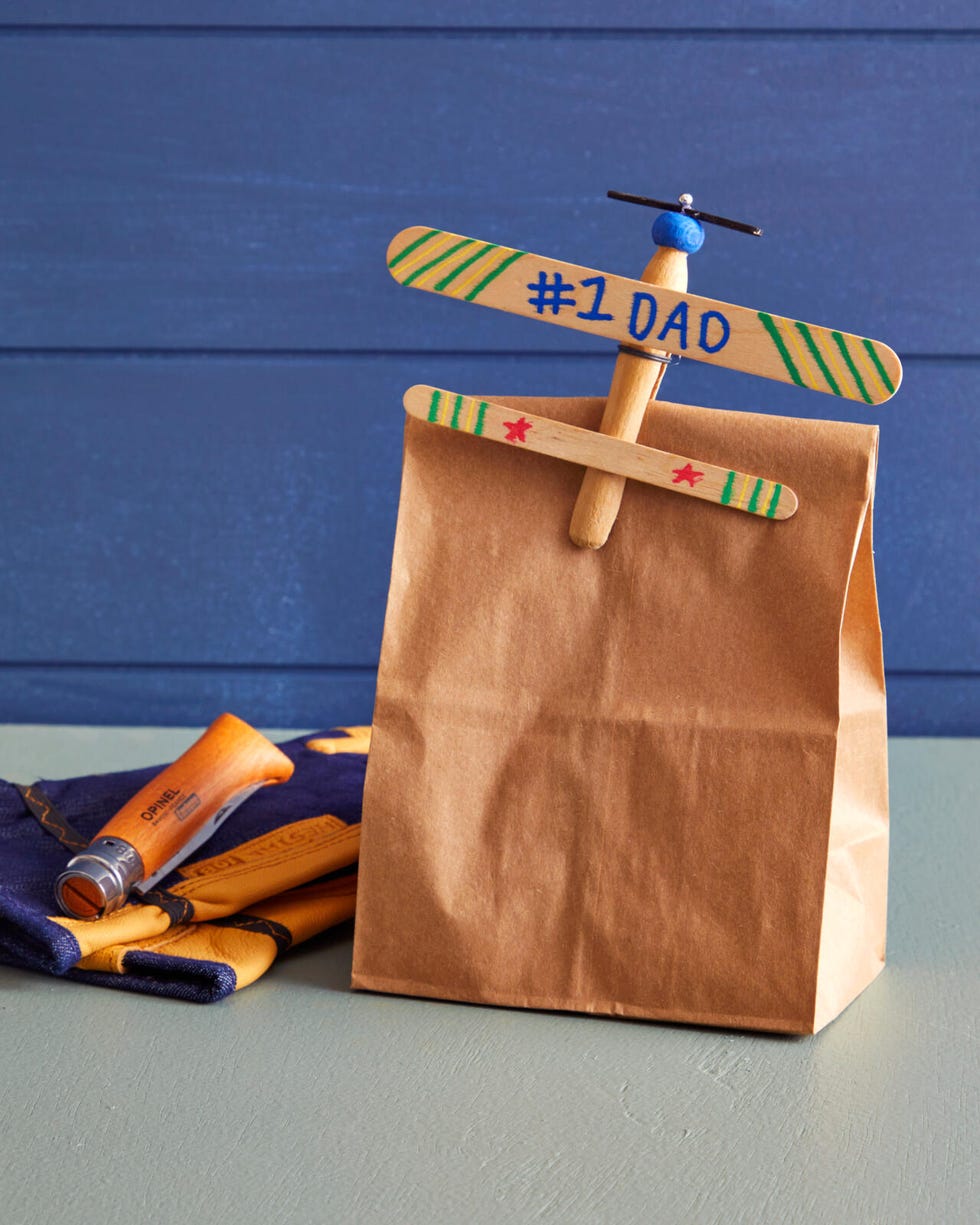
[202, 355]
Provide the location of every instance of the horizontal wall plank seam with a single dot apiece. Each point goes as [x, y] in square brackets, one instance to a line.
[34, 30]
[27, 665]
[333, 669]
[43, 353]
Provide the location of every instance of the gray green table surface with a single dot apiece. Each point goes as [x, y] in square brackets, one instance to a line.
[297, 1100]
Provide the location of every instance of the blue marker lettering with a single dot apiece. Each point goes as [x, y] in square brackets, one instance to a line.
[676, 321]
[600, 288]
[639, 299]
[726, 331]
[550, 295]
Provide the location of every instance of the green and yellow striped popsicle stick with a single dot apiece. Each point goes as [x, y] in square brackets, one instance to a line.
[483, 419]
[645, 316]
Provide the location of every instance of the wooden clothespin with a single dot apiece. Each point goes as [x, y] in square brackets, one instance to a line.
[636, 378]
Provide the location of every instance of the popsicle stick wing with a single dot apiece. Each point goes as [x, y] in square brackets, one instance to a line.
[645, 316]
[757, 495]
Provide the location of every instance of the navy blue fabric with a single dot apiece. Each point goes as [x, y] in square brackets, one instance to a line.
[180, 978]
[31, 858]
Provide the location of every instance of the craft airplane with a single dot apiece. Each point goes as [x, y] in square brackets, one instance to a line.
[653, 319]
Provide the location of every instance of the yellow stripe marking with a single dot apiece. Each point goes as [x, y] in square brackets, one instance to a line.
[798, 346]
[439, 269]
[764, 495]
[479, 268]
[741, 492]
[844, 381]
[469, 415]
[870, 370]
[426, 249]
[443, 408]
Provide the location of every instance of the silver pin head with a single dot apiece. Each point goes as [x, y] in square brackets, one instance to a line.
[685, 200]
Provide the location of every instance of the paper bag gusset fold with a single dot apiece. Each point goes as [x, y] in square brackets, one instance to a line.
[648, 780]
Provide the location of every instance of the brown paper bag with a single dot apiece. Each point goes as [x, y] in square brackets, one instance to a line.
[649, 780]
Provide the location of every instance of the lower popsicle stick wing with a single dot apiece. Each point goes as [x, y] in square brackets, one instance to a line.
[756, 495]
[645, 316]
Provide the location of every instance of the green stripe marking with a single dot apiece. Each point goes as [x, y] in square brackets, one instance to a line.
[434, 406]
[754, 500]
[438, 260]
[770, 326]
[726, 493]
[446, 280]
[774, 502]
[479, 417]
[873, 353]
[458, 405]
[411, 247]
[811, 344]
[492, 276]
[845, 353]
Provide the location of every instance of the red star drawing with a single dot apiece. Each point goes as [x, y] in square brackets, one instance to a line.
[687, 473]
[517, 430]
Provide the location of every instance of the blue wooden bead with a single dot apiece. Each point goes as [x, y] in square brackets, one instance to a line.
[679, 231]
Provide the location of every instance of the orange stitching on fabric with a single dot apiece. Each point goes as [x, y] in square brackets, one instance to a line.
[188, 887]
[257, 850]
